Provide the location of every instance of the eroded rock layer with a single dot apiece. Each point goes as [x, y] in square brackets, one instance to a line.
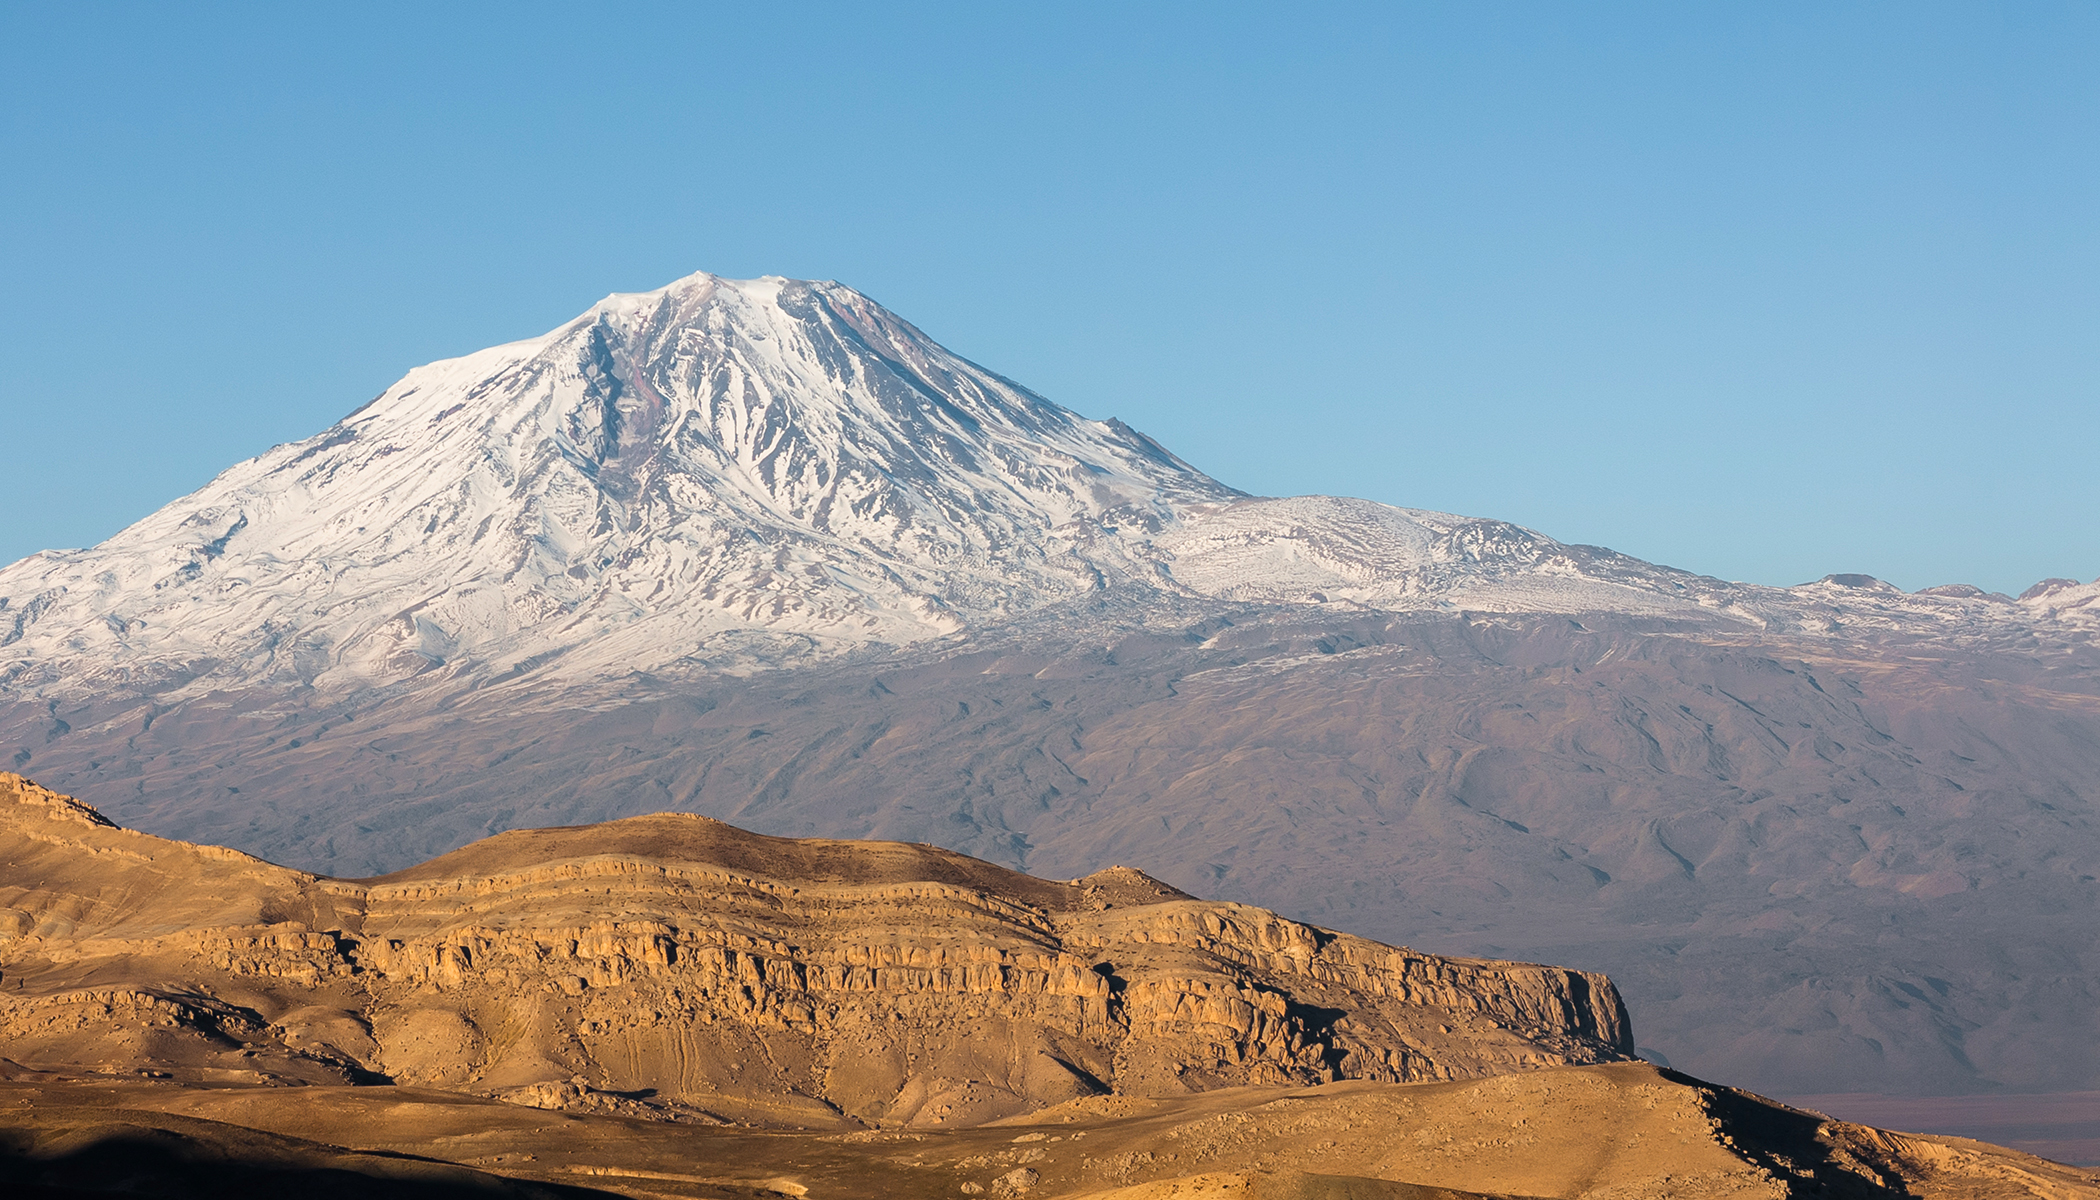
[677, 967]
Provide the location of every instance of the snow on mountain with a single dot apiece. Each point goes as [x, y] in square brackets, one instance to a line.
[735, 473]
[1329, 549]
[644, 485]
[2064, 601]
[1338, 551]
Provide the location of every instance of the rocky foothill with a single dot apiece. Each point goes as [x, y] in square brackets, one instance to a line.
[670, 1006]
[675, 966]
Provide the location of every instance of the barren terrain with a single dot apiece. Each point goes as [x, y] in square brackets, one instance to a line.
[669, 1006]
[1814, 873]
[1622, 1131]
[676, 968]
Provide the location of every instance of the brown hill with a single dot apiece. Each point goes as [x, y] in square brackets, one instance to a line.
[184, 1020]
[676, 967]
[1616, 1131]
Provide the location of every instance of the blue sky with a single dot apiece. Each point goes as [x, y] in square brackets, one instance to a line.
[1760, 290]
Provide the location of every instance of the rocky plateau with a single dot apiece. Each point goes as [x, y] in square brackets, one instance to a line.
[667, 1006]
[674, 966]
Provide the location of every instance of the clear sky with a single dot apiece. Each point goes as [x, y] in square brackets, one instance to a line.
[1762, 290]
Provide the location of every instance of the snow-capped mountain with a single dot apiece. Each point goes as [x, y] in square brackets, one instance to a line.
[645, 484]
[727, 473]
[1828, 833]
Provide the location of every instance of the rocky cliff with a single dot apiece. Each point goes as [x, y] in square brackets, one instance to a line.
[676, 967]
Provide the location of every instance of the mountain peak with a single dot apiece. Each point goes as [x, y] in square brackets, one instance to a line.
[659, 481]
[723, 475]
[699, 285]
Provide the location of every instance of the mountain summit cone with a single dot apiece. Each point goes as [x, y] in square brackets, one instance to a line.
[669, 470]
[721, 475]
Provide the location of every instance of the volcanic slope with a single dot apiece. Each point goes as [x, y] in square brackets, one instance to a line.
[717, 471]
[721, 974]
[1811, 866]
[761, 549]
[753, 473]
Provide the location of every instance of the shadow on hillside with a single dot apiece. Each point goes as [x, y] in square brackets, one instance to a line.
[117, 1158]
[1791, 1143]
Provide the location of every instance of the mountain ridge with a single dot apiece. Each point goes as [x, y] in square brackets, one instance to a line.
[725, 474]
[1789, 815]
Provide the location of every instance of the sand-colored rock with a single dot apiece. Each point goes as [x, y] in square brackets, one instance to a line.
[676, 967]
[1618, 1131]
[822, 1019]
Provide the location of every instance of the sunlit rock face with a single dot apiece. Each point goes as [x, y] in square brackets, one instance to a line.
[726, 975]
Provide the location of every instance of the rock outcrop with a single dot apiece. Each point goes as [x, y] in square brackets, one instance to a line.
[677, 967]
